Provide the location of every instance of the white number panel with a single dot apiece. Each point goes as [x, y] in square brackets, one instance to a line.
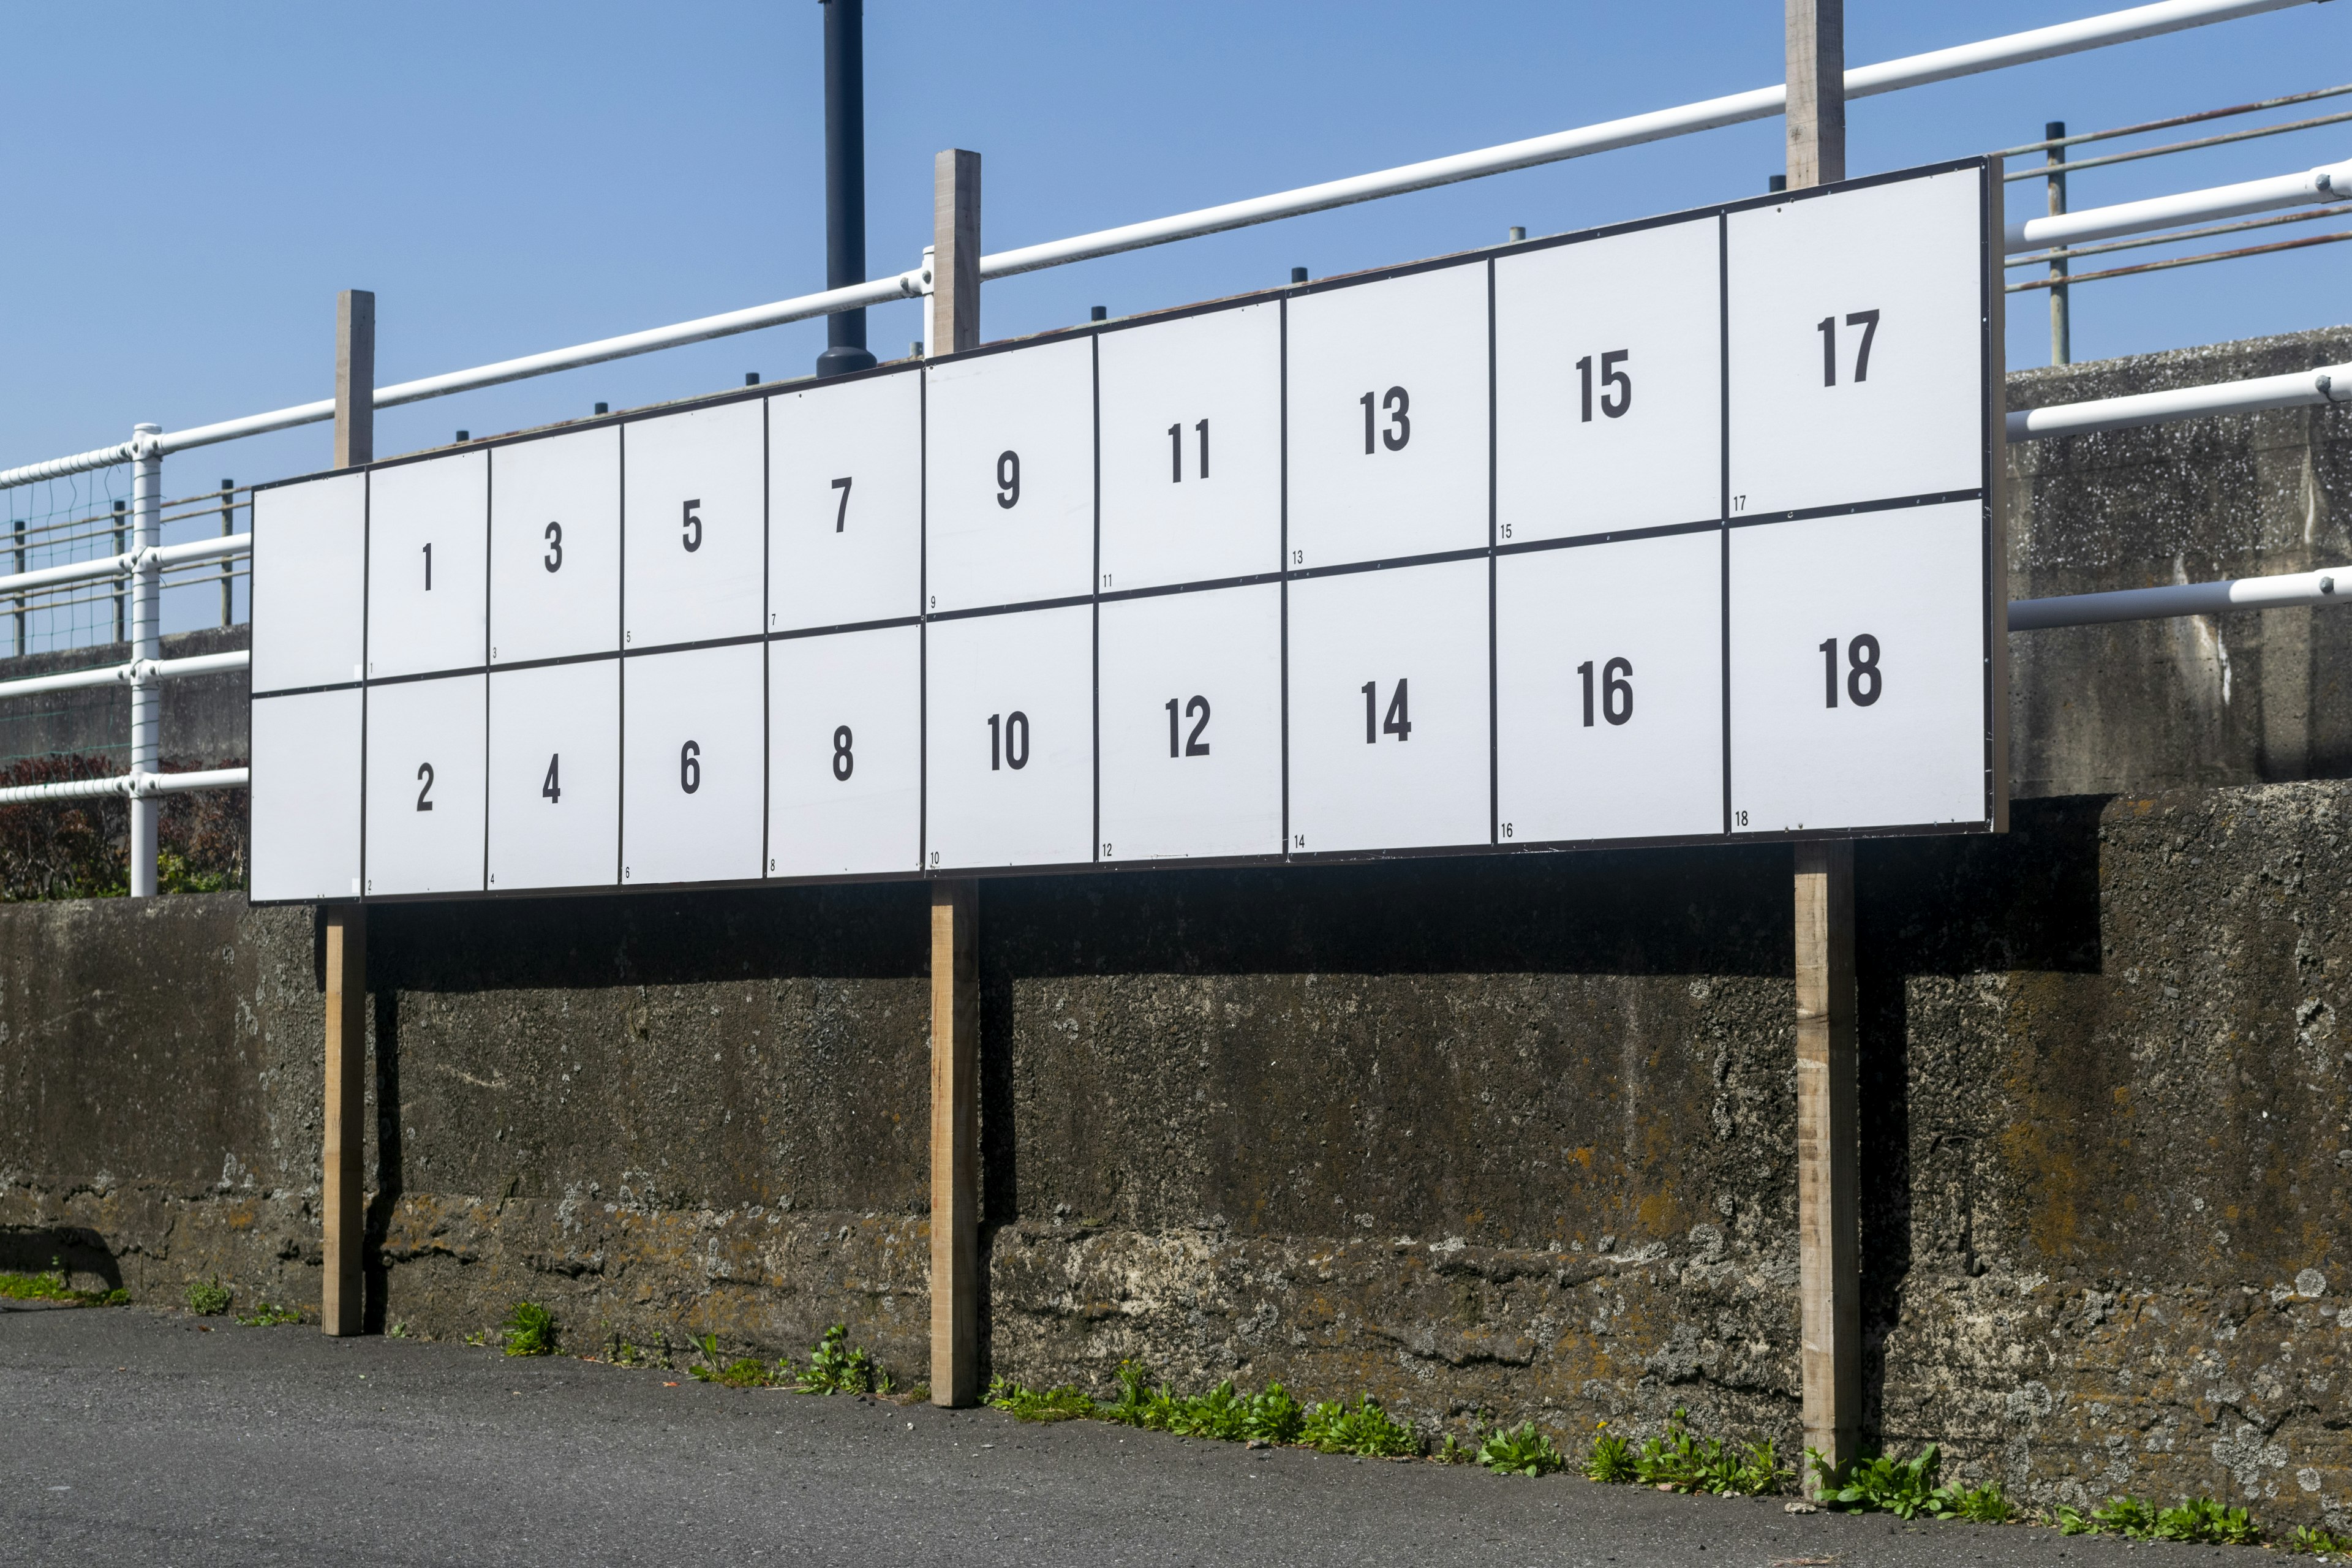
[1388, 418]
[1609, 383]
[309, 567]
[845, 503]
[694, 516]
[692, 766]
[1192, 724]
[425, 787]
[428, 551]
[1389, 727]
[1857, 670]
[1858, 345]
[555, 776]
[1008, 478]
[1191, 450]
[846, 753]
[1609, 690]
[306, 801]
[1009, 747]
[555, 547]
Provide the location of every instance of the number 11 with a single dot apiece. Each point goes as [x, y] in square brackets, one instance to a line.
[1176, 450]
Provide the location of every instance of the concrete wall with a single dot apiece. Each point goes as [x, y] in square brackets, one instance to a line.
[204, 716]
[1511, 1136]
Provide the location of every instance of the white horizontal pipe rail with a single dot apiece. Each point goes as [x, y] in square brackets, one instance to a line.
[2332, 585]
[2329, 183]
[142, 786]
[135, 672]
[2298, 389]
[128, 562]
[1762, 103]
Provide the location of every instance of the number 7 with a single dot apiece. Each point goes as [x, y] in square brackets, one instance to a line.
[841, 515]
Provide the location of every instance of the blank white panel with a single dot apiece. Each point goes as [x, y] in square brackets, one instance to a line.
[1005, 690]
[1010, 477]
[1355, 783]
[425, 787]
[555, 775]
[1192, 449]
[692, 766]
[845, 498]
[1417, 345]
[1204, 777]
[1812, 424]
[306, 795]
[1609, 690]
[555, 546]
[427, 565]
[1609, 383]
[846, 753]
[310, 582]
[1911, 579]
[695, 520]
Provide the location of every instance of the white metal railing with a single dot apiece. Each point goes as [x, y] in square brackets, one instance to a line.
[138, 784]
[2288, 590]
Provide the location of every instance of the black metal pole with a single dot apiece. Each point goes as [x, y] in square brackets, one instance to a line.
[845, 180]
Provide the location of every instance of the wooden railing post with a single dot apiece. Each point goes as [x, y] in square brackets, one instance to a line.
[955, 253]
[956, 1282]
[341, 1301]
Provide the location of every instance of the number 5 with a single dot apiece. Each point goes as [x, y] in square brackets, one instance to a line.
[692, 527]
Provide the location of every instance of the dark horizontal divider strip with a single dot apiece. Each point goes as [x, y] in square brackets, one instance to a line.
[463, 669]
[1619, 536]
[307, 690]
[845, 627]
[1010, 609]
[691, 646]
[1476, 552]
[1892, 503]
[1209, 585]
[504, 664]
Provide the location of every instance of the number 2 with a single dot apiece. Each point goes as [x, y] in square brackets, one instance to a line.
[424, 773]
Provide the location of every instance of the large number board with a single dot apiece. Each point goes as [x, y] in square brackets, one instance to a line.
[1682, 530]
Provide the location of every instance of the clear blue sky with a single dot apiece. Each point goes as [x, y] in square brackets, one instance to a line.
[188, 187]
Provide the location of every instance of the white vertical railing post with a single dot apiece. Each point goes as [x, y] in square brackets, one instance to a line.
[146, 642]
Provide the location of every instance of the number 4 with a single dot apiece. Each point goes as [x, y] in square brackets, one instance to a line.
[551, 789]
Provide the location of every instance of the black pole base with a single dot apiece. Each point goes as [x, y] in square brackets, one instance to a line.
[842, 359]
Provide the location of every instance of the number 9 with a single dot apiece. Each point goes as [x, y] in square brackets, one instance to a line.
[1008, 480]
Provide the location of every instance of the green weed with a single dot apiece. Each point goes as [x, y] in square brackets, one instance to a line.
[834, 1368]
[1522, 1452]
[1680, 1459]
[2318, 1539]
[1454, 1451]
[1218, 1413]
[528, 1330]
[2199, 1519]
[1986, 1504]
[1366, 1429]
[1272, 1417]
[1064, 1404]
[1611, 1460]
[207, 1297]
[52, 1286]
[269, 1315]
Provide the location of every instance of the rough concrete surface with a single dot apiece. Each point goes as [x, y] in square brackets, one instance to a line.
[137, 1438]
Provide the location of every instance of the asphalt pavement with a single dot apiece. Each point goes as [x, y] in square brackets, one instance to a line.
[136, 1436]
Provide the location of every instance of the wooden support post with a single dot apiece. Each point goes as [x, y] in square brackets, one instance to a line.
[956, 1282]
[354, 378]
[1816, 108]
[1829, 1227]
[341, 1298]
[955, 253]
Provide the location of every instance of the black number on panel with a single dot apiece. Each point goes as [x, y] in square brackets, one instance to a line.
[1616, 690]
[1398, 403]
[1176, 450]
[1015, 735]
[553, 559]
[1193, 746]
[550, 787]
[1863, 682]
[428, 568]
[1739, 818]
[689, 767]
[843, 763]
[1008, 480]
[841, 512]
[424, 776]
[1617, 394]
[1827, 326]
[691, 536]
[1397, 722]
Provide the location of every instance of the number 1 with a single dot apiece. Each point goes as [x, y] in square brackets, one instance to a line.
[428, 568]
